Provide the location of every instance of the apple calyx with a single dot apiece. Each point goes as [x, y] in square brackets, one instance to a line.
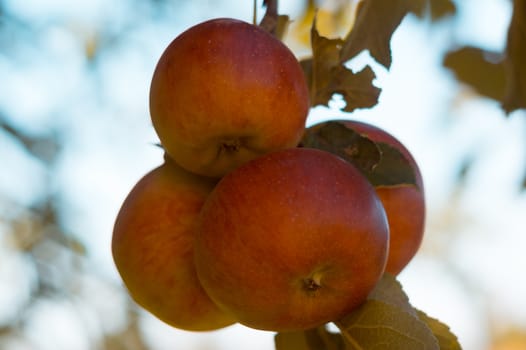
[230, 145]
[312, 283]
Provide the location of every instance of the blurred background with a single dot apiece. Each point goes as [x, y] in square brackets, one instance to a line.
[75, 136]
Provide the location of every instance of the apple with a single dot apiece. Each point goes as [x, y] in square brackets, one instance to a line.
[291, 240]
[152, 248]
[404, 204]
[224, 92]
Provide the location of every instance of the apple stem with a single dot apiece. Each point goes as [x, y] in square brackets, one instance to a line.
[255, 13]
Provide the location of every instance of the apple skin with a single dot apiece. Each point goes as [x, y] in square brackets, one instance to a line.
[404, 205]
[152, 247]
[225, 92]
[291, 240]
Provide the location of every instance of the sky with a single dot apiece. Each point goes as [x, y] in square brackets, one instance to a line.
[102, 117]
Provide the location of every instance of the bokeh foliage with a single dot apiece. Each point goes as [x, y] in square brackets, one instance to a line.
[59, 260]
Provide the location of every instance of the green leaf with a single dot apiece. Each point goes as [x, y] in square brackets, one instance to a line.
[446, 339]
[314, 339]
[515, 97]
[326, 76]
[386, 321]
[377, 325]
[388, 290]
[382, 164]
[482, 70]
[376, 21]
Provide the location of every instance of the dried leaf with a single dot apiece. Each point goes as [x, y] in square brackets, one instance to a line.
[438, 9]
[336, 138]
[314, 339]
[482, 70]
[382, 164]
[393, 169]
[306, 65]
[515, 97]
[273, 22]
[327, 75]
[441, 8]
[291, 340]
[446, 339]
[376, 21]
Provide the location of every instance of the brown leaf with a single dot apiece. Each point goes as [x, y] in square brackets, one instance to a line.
[291, 340]
[438, 9]
[482, 70]
[380, 163]
[327, 75]
[273, 22]
[306, 65]
[393, 169]
[337, 139]
[376, 21]
[515, 97]
[441, 8]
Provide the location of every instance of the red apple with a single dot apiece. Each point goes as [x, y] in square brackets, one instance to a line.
[404, 204]
[225, 92]
[291, 240]
[153, 248]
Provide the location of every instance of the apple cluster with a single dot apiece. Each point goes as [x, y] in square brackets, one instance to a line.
[241, 223]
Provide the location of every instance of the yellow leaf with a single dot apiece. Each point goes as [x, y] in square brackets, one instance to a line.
[331, 21]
